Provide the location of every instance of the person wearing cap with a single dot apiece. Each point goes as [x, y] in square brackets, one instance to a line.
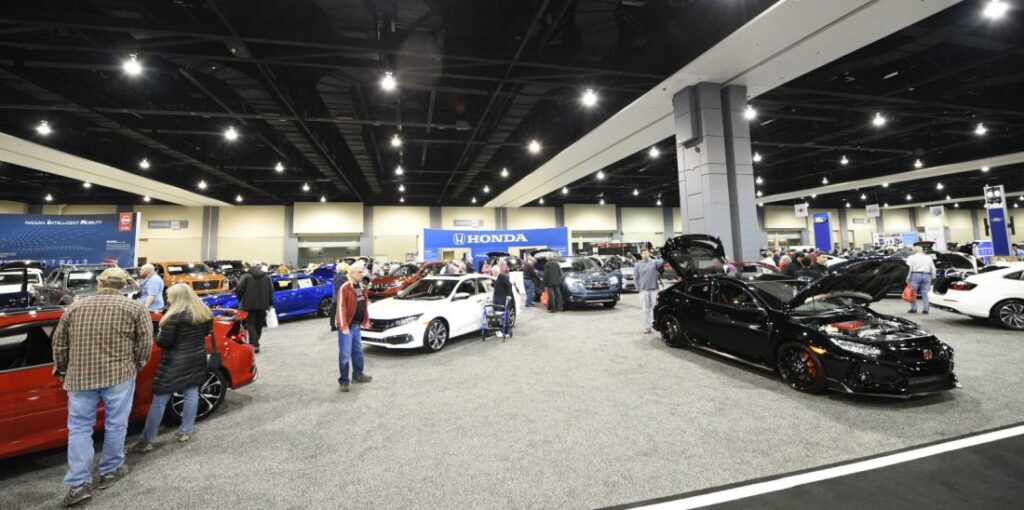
[340, 277]
[99, 345]
[353, 315]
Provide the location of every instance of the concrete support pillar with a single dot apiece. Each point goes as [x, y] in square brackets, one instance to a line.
[366, 238]
[880, 224]
[501, 218]
[435, 217]
[716, 177]
[976, 223]
[844, 230]
[211, 218]
[761, 230]
[291, 241]
[668, 223]
[618, 224]
[913, 219]
[805, 234]
[35, 209]
[559, 216]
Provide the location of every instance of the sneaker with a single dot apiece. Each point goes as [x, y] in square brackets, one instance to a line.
[925, 312]
[362, 379]
[76, 495]
[647, 330]
[182, 438]
[257, 350]
[108, 480]
[139, 447]
[912, 311]
[345, 387]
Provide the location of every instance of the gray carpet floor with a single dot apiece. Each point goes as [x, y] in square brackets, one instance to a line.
[579, 410]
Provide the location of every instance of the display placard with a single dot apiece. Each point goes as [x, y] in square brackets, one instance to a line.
[800, 210]
[823, 231]
[69, 239]
[872, 210]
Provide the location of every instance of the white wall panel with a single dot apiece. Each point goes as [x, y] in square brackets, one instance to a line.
[590, 218]
[531, 217]
[328, 218]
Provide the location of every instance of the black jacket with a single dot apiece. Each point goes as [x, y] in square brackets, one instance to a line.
[183, 362]
[255, 291]
[530, 273]
[552, 274]
[502, 289]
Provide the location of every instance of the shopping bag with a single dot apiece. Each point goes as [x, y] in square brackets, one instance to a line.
[544, 297]
[271, 318]
[909, 295]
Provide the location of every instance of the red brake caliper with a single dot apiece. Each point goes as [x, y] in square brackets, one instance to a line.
[812, 368]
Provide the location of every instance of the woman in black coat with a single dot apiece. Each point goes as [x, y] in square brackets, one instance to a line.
[183, 363]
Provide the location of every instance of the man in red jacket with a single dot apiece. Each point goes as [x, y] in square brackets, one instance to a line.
[353, 315]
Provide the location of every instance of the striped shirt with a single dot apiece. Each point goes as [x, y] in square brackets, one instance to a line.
[102, 341]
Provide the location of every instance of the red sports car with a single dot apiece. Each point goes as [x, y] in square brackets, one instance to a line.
[34, 407]
[405, 275]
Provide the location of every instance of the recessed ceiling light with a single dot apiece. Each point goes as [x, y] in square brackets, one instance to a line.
[48, 197]
[909, 197]
[939, 186]
[948, 197]
[879, 120]
[600, 175]
[654, 152]
[602, 201]
[401, 199]
[401, 187]
[918, 163]
[323, 199]
[984, 169]
[388, 82]
[565, 191]
[980, 129]
[86, 184]
[658, 203]
[202, 184]
[279, 167]
[487, 189]
[541, 201]
[504, 172]
[44, 128]
[886, 204]
[759, 180]
[757, 157]
[238, 198]
[824, 180]
[146, 199]
[230, 134]
[473, 200]
[863, 196]
[132, 66]
[844, 161]
[305, 186]
[814, 195]
[956, 204]
[750, 113]
[848, 205]
[399, 170]
[995, 9]
[885, 185]
[589, 98]
[636, 192]
[760, 193]
[534, 147]
[396, 141]
[144, 164]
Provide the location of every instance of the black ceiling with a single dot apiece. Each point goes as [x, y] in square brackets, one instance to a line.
[300, 81]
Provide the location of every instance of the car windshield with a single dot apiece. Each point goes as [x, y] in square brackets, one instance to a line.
[779, 293]
[433, 270]
[187, 269]
[224, 266]
[578, 264]
[429, 289]
[83, 280]
[403, 271]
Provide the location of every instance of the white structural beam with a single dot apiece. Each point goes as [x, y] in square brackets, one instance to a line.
[28, 154]
[786, 41]
[992, 162]
[979, 198]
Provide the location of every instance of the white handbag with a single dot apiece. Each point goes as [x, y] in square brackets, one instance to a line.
[272, 318]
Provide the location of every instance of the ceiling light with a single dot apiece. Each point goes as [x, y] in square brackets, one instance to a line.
[956, 204]
[948, 197]
[844, 161]
[401, 199]
[487, 189]
[388, 82]
[401, 187]
[534, 147]
[814, 195]
[600, 175]
[541, 201]
[824, 180]
[132, 66]
[909, 197]
[848, 205]
[589, 98]
[231, 135]
[658, 203]
[654, 152]
[48, 197]
[305, 186]
[757, 157]
[863, 196]
[750, 113]
[980, 129]
[995, 9]
[238, 198]
[44, 128]
[86, 184]
[885, 185]
[504, 172]
[918, 163]
[323, 199]
[984, 169]
[939, 186]
[879, 120]
[760, 193]
[565, 191]
[886, 204]
[146, 199]
[279, 167]
[759, 180]
[473, 200]
[636, 192]
[602, 201]
[144, 164]
[396, 141]
[202, 184]
[399, 170]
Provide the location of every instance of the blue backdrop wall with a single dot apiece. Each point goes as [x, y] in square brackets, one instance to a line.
[483, 241]
[72, 239]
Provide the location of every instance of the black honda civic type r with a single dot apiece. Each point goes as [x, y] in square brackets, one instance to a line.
[816, 335]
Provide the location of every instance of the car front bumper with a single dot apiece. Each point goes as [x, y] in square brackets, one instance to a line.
[898, 380]
[584, 295]
[407, 336]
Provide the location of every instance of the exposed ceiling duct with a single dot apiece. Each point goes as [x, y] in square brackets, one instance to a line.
[339, 94]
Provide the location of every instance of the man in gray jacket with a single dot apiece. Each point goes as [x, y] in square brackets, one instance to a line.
[647, 276]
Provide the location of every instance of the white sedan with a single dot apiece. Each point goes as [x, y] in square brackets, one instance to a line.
[997, 295]
[431, 311]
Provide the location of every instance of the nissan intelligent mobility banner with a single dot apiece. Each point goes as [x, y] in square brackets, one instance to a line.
[72, 239]
[481, 242]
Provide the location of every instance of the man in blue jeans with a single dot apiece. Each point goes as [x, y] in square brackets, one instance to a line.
[922, 272]
[352, 317]
[99, 345]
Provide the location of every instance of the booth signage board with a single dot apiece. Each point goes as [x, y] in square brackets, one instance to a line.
[480, 242]
[861, 221]
[1000, 231]
[468, 223]
[936, 234]
[800, 210]
[167, 224]
[873, 210]
[70, 239]
[984, 251]
[823, 231]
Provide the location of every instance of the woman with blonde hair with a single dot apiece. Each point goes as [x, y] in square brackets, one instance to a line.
[183, 363]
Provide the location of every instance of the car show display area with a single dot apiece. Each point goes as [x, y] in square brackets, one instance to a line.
[603, 416]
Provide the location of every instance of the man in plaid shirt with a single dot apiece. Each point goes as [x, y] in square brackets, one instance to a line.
[99, 345]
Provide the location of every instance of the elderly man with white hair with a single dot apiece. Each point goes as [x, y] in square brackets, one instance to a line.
[353, 315]
[151, 293]
[255, 293]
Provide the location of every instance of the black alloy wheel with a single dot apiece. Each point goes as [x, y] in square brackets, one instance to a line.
[672, 332]
[211, 395]
[324, 308]
[1009, 314]
[801, 368]
[435, 336]
[512, 315]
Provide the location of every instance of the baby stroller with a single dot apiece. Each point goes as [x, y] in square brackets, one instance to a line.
[498, 318]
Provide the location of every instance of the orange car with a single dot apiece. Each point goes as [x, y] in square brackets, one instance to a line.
[405, 275]
[197, 275]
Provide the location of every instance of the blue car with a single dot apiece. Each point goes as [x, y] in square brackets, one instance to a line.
[584, 282]
[294, 295]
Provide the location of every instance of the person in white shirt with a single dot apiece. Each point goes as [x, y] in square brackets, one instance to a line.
[922, 272]
[768, 259]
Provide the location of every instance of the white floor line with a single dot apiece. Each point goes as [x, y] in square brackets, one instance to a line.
[787, 482]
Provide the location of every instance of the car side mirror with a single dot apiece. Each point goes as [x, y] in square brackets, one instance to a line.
[459, 296]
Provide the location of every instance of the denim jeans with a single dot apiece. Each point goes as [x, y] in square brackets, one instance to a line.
[156, 413]
[529, 291]
[350, 349]
[922, 283]
[117, 403]
[648, 298]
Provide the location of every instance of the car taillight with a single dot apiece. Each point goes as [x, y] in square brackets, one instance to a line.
[238, 334]
[962, 286]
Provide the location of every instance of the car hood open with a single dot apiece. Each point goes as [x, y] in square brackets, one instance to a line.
[865, 281]
[693, 252]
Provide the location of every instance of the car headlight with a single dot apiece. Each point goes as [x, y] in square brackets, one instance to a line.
[572, 281]
[857, 347]
[394, 284]
[405, 320]
[612, 280]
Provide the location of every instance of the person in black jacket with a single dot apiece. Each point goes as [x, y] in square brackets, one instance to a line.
[340, 277]
[255, 292]
[183, 363]
[502, 291]
[553, 283]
